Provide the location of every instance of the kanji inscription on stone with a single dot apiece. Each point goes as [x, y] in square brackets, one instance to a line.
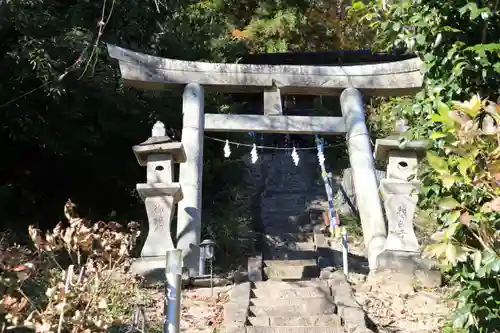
[401, 214]
[158, 216]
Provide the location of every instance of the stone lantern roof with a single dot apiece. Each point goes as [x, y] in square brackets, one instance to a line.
[159, 143]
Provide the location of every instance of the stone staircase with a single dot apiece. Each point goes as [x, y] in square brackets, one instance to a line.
[289, 251]
[296, 307]
[292, 299]
[293, 295]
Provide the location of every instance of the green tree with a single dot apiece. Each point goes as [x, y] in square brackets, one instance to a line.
[458, 43]
[290, 26]
[68, 123]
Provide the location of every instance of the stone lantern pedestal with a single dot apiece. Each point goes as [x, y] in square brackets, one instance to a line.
[399, 191]
[400, 201]
[160, 194]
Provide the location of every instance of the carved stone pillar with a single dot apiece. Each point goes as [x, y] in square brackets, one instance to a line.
[160, 194]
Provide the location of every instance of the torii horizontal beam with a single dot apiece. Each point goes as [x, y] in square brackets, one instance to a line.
[274, 124]
[395, 78]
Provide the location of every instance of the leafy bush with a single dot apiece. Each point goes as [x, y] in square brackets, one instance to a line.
[73, 281]
[458, 44]
[463, 188]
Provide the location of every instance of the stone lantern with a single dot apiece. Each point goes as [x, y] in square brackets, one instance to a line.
[160, 194]
[399, 192]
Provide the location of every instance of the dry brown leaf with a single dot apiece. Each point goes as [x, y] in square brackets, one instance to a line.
[465, 218]
[494, 205]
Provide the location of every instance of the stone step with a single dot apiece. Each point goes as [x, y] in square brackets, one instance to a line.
[273, 228]
[283, 210]
[278, 192]
[289, 229]
[283, 172]
[304, 307]
[295, 180]
[288, 186]
[274, 224]
[291, 251]
[290, 263]
[321, 320]
[290, 269]
[285, 302]
[285, 198]
[293, 293]
[287, 285]
[296, 246]
[284, 219]
[272, 192]
[290, 255]
[282, 216]
[286, 236]
[289, 329]
[287, 207]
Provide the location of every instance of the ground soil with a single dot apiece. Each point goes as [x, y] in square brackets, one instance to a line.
[400, 308]
[202, 311]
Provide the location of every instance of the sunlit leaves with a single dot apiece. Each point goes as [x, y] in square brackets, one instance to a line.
[476, 260]
[474, 11]
[471, 107]
[469, 169]
[299, 26]
[464, 165]
[460, 50]
[449, 180]
[438, 163]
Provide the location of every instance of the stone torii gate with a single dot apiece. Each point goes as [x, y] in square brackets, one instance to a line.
[395, 78]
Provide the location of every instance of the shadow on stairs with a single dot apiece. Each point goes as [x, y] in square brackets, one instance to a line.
[289, 291]
[292, 294]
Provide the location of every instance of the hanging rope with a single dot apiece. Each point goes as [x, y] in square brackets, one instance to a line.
[251, 145]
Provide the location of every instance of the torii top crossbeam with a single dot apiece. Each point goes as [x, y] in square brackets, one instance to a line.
[393, 78]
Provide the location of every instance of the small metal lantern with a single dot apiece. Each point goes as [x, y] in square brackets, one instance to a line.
[207, 253]
[207, 249]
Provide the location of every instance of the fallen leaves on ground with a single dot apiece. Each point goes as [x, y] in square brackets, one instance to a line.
[395, 311]
[397, 308]
[200, 311]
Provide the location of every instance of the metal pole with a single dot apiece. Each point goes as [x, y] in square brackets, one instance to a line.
[345, 252]
[201, 262]
[173, 272]
[211, 278]
[329, 193]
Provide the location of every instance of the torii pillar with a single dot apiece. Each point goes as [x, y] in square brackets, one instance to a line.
[191, 178]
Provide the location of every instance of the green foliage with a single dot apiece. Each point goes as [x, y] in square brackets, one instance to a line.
[458, 44]
[462, 188]
[291, 25]
[68, 122]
